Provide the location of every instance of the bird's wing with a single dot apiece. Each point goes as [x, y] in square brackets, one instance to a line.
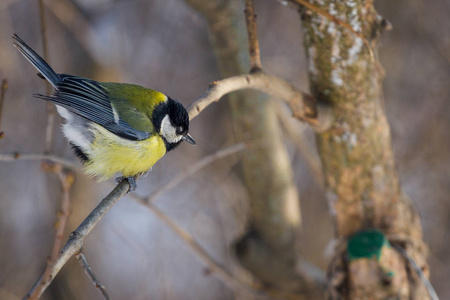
[134, 103]
[87, 98]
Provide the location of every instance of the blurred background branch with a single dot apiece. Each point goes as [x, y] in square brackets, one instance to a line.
[269, 248]
[66, 179]
[17, 156]
[253, 43]
[166, 45]
[76, 239]
[4, 87]
[51, 110]
[87, 268]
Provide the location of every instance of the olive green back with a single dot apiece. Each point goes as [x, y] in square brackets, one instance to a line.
[134, 103]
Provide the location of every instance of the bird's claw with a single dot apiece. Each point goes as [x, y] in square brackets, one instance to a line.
[131, 181]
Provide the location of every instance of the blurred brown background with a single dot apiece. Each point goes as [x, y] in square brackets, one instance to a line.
[164, 45]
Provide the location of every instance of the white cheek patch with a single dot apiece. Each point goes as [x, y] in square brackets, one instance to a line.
[168, 131]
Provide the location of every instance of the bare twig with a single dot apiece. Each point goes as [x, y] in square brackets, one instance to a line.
[9, 157]
[304, 106]
[250, 19]
[193, 169]
[76, 239]
[66, 178]
[216, 269]
[337, 21]
[4, 87]
[432, 293]
[50, 106]
[82, 259]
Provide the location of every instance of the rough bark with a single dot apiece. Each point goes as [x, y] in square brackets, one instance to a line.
[362, 184]
[269, 249]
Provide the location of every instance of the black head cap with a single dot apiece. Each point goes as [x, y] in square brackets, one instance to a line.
[178, 116]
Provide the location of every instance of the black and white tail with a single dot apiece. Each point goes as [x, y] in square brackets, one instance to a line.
[38, 62]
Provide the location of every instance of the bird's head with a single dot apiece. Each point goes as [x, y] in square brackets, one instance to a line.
[172, 121]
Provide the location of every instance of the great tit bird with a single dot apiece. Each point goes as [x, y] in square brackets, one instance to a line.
[112, 127]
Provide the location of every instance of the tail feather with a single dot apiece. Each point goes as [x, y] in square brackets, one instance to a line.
[37, 61]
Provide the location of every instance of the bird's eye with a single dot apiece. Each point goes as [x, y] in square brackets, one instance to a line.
[179, 130]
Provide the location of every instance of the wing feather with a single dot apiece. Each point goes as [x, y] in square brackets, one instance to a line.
[88, 99]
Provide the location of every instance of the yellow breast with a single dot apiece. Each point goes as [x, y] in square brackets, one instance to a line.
[110, 154]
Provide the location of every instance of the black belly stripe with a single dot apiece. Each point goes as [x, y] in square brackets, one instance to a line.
[79, 153]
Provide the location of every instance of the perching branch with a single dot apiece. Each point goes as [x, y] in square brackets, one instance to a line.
[304, 106]
[76, 239]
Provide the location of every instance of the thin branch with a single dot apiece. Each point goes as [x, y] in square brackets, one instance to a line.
[337, 21]
[50, 106]
[216, 269]
[431, 292]
[15, 156]
[250, 20]
[193, 169]
[76, 238]
[66, 178]
[304, 106]
[83, 261]
[4, 87]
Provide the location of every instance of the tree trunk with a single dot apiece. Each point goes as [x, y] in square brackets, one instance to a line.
[359, 169]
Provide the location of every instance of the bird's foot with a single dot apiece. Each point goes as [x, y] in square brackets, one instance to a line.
[131, 181]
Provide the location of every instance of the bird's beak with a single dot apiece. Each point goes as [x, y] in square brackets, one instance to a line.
[189, 139]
